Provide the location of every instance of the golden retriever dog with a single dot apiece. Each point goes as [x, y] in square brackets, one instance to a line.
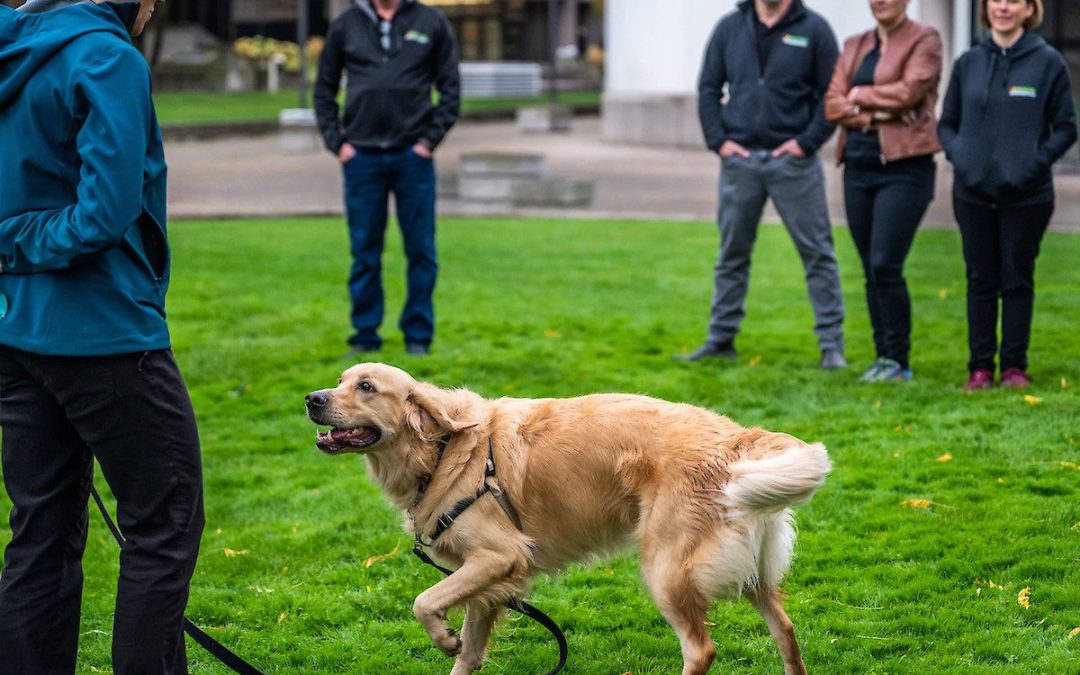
[705, 500]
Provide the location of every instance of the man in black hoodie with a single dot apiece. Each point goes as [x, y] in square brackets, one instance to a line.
[393, 53]
[760, 96]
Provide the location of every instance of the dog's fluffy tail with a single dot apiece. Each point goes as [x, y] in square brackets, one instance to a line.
[779, 480]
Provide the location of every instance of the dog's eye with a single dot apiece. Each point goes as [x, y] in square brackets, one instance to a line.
[365, 386]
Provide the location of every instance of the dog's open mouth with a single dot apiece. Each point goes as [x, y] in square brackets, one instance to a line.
[346, 439]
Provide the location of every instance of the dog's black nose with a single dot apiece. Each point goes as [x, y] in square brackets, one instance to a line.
[317, 399]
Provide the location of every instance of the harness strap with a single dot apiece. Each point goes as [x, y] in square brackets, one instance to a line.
[490, 484]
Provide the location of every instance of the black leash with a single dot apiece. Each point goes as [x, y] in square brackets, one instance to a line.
[218, 650]
[519, 606]
[443, 523]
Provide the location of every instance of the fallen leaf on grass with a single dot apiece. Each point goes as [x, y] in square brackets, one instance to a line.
[282, 617]
[943, 293]
[379, 558]
[230, 553]
[1000, 480]
[917, 503]
[1074, 632]
[1023, 598]
[877, 405]
[988, 583]
[755, 361]
[947, 457]
[1064, 383]
[1070, 465]
[1076, 526]
[1032, 400]
[551, 333]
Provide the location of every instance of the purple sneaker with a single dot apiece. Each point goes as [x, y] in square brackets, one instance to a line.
[981, 378]
[1015, 378]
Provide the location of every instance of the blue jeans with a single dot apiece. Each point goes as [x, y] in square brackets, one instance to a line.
[369, 179]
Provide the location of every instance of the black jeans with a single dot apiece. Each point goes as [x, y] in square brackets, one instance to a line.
[132, 413]
[885, 205]
[1000, 247]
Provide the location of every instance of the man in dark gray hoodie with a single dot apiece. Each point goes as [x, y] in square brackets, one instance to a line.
[760, 96]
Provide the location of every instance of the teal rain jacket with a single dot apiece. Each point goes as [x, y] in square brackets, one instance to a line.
[84, 255]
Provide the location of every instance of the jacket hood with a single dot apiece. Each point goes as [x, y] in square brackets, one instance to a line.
[31, 36]
[365, 7]
[796, 11]
[1027, 44]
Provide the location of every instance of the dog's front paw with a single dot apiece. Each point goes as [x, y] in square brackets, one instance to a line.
[449, 642]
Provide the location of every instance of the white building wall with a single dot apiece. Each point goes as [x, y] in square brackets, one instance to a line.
[654, 52]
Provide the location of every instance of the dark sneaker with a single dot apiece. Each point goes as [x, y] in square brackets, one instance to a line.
[980, 378]
[886, 370]
[833, 359]
[1015, 378]
[710, 350]
[417, 349]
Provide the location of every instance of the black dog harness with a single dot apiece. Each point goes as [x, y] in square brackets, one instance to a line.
[491, 485]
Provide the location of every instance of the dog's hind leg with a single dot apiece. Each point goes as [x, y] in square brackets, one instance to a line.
[767, 603]
[479, 620]
[683, 605]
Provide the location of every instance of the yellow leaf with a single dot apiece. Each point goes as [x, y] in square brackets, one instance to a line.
[1000, 480]
[230, 553]
[1032, 400]
[917, 503]
[315, 491]
[282, 617]
[1074, 632]
[1023, 598]
[947, 457]
[978, 591]
[378, 558]
[756, 360]
[1070, 465]
[989, 583]
[368, 587]
[877, 405]
[285, 570]
[943, 293]
[1064, 383]
[1076, 526]
[551, 333]
[217, 532]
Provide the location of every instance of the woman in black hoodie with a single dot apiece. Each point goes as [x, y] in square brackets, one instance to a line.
[1008, 116]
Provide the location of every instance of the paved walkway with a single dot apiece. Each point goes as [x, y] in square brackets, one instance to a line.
[255, 177]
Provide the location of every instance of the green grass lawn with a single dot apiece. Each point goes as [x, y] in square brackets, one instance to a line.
[305, 568]
[177, 108]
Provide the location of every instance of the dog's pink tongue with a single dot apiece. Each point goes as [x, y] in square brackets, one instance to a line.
[350, 435]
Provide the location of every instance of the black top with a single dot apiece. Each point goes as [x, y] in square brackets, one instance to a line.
[1008, 115]
[864, 146]
[388, 98]
[796, 58]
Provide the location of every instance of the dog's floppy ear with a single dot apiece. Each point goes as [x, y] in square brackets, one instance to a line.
[429, 413]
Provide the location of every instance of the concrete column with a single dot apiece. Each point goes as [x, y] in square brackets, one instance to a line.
[567, 23]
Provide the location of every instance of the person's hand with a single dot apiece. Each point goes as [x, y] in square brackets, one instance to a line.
[789, 147]
[731, 148]
[852, 94]
[345, 153]
[421, 150]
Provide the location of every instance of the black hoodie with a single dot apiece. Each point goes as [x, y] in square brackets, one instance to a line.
[388, 97]
[1008, 116]
[767, 104]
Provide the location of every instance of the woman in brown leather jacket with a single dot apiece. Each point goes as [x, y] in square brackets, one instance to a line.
[882, 93]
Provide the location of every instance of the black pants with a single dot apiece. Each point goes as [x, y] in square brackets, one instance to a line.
[132, 413]
[1000, 247]
[885, 205]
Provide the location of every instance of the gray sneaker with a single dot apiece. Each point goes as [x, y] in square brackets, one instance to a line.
[832, 359]
[710, 350]
[416, 349]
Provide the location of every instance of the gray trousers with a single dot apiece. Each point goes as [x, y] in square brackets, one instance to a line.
[797, 188]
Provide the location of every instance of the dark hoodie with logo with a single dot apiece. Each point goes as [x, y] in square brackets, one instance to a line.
[1008, 115]
[773, 94]
[85, 260]
[388, 102]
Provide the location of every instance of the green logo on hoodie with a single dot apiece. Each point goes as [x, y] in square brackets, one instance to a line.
[417, 36]
[1023, 92]
[793, 40]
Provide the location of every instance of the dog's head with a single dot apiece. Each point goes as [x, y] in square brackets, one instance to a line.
[376, 405]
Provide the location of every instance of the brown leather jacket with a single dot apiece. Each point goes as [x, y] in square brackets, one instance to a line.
[905, 88]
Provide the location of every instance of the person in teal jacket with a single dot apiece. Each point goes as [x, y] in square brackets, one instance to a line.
[86, 370]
